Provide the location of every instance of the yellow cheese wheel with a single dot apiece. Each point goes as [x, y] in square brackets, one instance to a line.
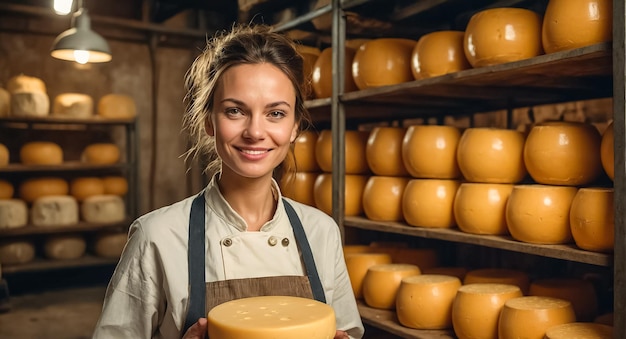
[85, 187]
[117, 106]
[352, 249]
[439, 53]
[355, 44]
[101, 154]
[476, 309]
[4, 155]
[109, 244]
[500, 35]
[16, 252]
[498, 276]
[539, 214]
[322, 77]
[381, 283]
[41, 153]
[115, 185]
[569, 24]
[606, 319]
[303, 157]
[65, 247]
[573, 145]
[309, 56]
[580, 330]
[34, 188]
[355, 144]
[393, 53]
[429, 202]
[299, 186]
[592, 219]
[6, 190]
[5, 102]
[25, 83]
[579, 292]
[72, 105]
[353, 193]
[429, 151]
[492, 155]
[425, 301]
[382, 198]
[458, 272]
[384, 151]
[480, 208]
[357, 265]
[607, 155]
[530, 317]
[272, 317]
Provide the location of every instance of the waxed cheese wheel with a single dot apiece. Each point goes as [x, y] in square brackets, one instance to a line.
[393, 53]
[6, 190]
[64, 247]
[16, 252]
[592, 219]
[303, 157]
[381, 283]
[5, 102]
[498, 276]
[382, 198]
[355, 145]
[479, 208]
[110, 244]
[4, 155]
[439, 53]
[72, 105]
[581, 293]
[580, 330]
[299, 186]
[54, 210]
[430, 202]
[530, 317]
[607, 155]
[272, 317]
[35, 188]
[103, 209]
[322, 77]
[101, 154]
[30, 104]
[354, 187]
[13, 213]
[357, 265]
[85, 187]
[384, 151]
[117, 106]
[429, 151]
[41, 153]
[25, 83]
[115, 185]
[425, 301]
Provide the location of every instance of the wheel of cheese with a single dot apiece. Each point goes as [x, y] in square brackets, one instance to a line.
[573, 145]
[54, 210]
[476, 309]
[41, 153]
[299, 186]
[35, 188]
[425, 301]
[64, 247]
[581, 293]
[574, 24]
[25, 83]
[309, 56]
[357, 265]
[607, 155]
[85, 187]
[480, 208]
[13, 213]
[73, 105]
[101, 154]
[429, 203]
[30, 104]
[606, 319]
[539, 214]
[499, 35]
[117, 106]
[4, 155]
[5, 102]
[272, 317]
[355, 145]
[382, 198]
[393, 53]
[381, 283]
[115, 185]
[109, 244]
[351, 249]
[353, 193]
[13, 252]
[303, 159]
[104, 209]
[592, 219]
[458, 272]
[492, 155]
[429, 151]
[384, 151]
[580, 330]
[530, 317]
[439, 53]
[6, 190]
[322, 76]
[498, 276]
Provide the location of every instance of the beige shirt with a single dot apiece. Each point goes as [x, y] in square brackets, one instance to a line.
[147, 296]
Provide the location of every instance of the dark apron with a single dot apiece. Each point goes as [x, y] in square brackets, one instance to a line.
[204, 296]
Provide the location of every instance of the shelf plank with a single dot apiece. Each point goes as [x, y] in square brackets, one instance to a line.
[67, 166]
[95, 120]
[566, 252]
[78, 227]
[39, 264]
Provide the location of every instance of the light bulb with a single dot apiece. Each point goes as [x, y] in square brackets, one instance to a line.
[81, 56]
[63, 7]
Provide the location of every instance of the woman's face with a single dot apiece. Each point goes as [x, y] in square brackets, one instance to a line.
[253, 121]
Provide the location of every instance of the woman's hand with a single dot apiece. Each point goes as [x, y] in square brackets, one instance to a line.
[198, 330]
[341, 335]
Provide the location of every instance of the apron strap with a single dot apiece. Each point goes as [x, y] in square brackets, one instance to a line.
[307, 255]
[195, 262]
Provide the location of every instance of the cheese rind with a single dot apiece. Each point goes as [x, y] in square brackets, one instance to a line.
[85, 187]
[72, 105]
[580, 330]
[425, 301]
[13, 213]
[104, 208]
[41, 153]
[357, 265]
[30, 104]
[101, 154]
[381, 283]
[63, 247]
[16, 252]
[34, 188]
[117, 106]
[54, 210]
[115, 185]
[530, 317]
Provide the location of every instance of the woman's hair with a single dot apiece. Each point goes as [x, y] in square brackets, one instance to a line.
[243, 44]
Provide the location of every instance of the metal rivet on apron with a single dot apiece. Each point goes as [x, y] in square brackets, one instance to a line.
[272, 241]
[285, 242]
[227, 242]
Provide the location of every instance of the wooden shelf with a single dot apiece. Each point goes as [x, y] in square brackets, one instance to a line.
[40, 264]
[79, 227]
[67, 166]
[566, 252]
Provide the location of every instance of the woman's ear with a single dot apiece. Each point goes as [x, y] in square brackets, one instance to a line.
[294, 133]
[208, 127]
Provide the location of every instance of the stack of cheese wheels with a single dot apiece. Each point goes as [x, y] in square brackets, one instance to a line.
[35, 188]
[580, 330]
[65, 247]
[581, 293]
[539, 214]
[101, 154]
[109, 244]
[13, 213]
[439, 53]
[117, 106]
[116, 185]
[425, 301]
[429, 202]
[29, 97]
[429, 151]
[498, 276]
[394, 53]
[54, 210]
[103, 208]
[85, 187]
[5, 103]
[357, 265]
[607, 155]
[4, 155]
[531, 316]
[479, 208]
[322, 77]
[73, 105]
[19, 251]
[381, 283]
[301, 169]
[592, 219]
[476, 309]
[41, 153]
[499, 35]
[272, 317]
[309, 57]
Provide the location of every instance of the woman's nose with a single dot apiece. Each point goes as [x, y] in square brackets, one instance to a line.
[254, 128]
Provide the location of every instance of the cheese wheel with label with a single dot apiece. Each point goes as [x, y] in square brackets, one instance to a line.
[25, 83]
[581, 293]
[103, 209]
[498, 276]
[101, 154]
[580, 330]
[14, 252]
[65, 247]
[4, 155]
[382, 198]
[30, 104]
[117, 106]
[85, 187]
[357, 265]
[5, 102]
[41, 153]
[6, 190]
[272, 317]
[384, 151]
[54, 210]
[116, 185]
[72, 105]
[13, 213]
[109, 244]
[530, 317]
[35, 188]
[381, 283]
[425, 301]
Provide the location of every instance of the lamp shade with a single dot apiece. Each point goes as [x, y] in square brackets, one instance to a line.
[80, 43]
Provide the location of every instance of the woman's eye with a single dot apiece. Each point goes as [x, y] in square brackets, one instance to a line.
[277, 114]
[232, 111]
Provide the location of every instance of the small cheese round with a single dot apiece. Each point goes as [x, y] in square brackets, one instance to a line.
[395, 56]
[530, 317]
[5, 102]
[30, 104]
[355, 145]
[73, 105]
[580, 330]
[425, 301]
[272, 317]
[6, 190]
[357, 265]
[382, 198]
[14, 252]
[439, 53]
[4, 155]
[34, 188]
[479, 208]
[54, 210]
[101, 154]
[353, 194]
[115, 185]
[64, 247]
[85, 187]
[109, 244]
[13, 213]
[384, 151]
[429, 202]
[581, 293]
[103, 209]
[117, 106]
[299, 186]
[498, 276]
[41, 153]
[381, 283]
[25, 83]
[429, 151]
[592, 219]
